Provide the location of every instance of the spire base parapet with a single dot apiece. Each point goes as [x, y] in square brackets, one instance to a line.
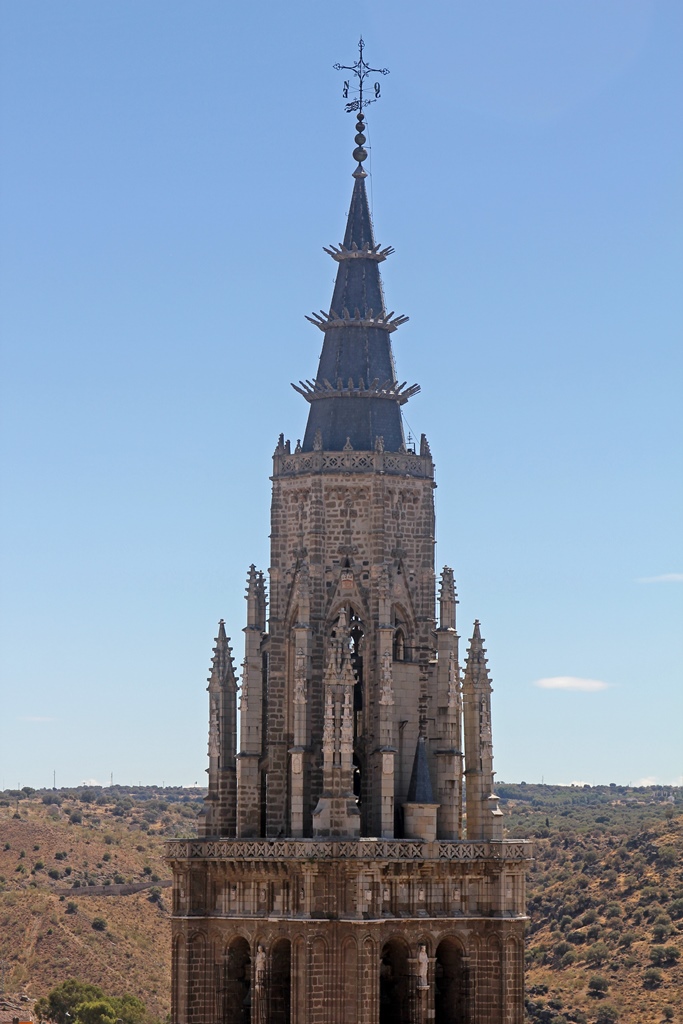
[368, 252]
[402, 463]
[392, 390]
[384, 321]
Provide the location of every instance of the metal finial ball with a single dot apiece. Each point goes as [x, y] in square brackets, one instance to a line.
[360, 154]
[360, 139]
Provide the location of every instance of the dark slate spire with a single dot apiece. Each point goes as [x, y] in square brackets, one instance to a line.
[355, 397]
[420, 788]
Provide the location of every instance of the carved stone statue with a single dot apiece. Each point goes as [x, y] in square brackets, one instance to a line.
[260, 967]
[422, 966]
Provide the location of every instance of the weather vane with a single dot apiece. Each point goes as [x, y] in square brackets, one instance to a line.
[361, 70]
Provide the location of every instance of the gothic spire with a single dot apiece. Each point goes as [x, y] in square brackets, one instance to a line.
[221, 664]
[356, 398]
[476, 665]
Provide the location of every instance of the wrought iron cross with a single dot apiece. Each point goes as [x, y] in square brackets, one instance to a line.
[361, 70]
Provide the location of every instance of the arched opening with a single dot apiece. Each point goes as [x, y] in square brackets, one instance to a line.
[394, 984]
[237, 983]
[399, 645]
[280, 987]
[451, 984]
[357, 779]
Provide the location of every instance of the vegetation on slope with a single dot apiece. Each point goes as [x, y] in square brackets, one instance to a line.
[60, 852]
[605, 898]
[605, 895]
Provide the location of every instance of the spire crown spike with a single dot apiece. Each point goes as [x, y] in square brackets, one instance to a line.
[362, 70]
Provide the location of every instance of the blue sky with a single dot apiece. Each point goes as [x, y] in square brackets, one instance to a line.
[170, 173]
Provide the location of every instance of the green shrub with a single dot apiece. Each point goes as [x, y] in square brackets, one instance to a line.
[54, 873]
[598, 985]
[597, 954]
[652, 978]
[667, 856]
[99, 924]
[607, 1015]
[662, 956]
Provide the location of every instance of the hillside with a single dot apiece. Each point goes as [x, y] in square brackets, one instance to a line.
[605, 895]
[51, 858]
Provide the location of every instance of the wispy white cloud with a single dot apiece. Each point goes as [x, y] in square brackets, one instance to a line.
[666, 577]
[572, 683]
[36, 718]
[647, 780]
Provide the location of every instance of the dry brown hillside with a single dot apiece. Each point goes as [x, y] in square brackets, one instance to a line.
[605, 896]
[50, 863]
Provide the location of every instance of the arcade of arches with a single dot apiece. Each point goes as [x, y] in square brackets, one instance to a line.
[276, 980]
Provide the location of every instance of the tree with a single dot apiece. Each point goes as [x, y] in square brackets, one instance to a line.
[99, 1011]
[60, 1005]
[99, 924]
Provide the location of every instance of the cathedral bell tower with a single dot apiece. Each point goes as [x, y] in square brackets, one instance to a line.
[337, 879]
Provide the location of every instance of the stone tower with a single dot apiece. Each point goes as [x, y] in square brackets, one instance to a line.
[337, 878]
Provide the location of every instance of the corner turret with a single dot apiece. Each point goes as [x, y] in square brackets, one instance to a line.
[484, 817]
[221, 800]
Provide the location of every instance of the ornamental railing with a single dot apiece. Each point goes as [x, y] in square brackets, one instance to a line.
[361, 849]
[394, 463]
